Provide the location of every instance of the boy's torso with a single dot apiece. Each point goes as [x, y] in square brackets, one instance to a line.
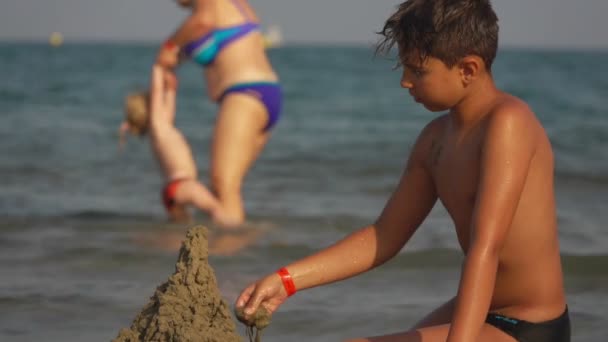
[529, 279]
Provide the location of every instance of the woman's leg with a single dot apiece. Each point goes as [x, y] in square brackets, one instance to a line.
[238, 139]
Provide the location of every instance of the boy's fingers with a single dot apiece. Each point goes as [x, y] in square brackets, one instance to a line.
[244, 297]
[254, 303]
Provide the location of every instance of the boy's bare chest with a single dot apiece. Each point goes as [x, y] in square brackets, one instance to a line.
[455, 169]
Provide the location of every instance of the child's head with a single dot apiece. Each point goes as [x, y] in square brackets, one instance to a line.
[137, 112]
[445, 46]
[447, 30]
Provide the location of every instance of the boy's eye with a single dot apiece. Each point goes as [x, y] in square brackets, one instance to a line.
[415, 70]
[418, 72]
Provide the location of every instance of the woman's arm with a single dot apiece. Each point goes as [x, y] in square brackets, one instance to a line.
[197, 24]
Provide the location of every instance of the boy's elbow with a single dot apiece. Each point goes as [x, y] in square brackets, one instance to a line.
[387, 245]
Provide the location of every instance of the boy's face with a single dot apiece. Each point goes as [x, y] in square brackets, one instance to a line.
[432, 83]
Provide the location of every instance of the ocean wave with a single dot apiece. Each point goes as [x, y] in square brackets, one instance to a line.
[597, 177]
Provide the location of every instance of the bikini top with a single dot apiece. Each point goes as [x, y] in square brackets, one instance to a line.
[205, 49]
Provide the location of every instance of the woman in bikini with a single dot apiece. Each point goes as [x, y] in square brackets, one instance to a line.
[224, 38]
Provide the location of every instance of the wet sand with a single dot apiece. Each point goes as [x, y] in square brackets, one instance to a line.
[189, 305]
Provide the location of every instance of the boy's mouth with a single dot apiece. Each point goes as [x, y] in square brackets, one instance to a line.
[416, 98]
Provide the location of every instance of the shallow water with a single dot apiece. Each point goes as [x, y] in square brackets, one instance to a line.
[72, 206]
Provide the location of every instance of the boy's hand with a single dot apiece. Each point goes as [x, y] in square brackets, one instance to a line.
[268, 292]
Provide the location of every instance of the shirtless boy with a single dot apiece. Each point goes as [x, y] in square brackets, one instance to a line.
[489, 162]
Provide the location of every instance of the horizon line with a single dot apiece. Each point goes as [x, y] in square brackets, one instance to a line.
[295, 43]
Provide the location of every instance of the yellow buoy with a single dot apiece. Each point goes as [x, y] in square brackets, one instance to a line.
[273, 37]
[56, 39]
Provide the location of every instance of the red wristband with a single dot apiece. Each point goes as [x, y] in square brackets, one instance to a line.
[169, 45]
[288, 284]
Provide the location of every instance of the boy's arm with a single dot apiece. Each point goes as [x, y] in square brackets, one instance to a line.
[373, 245]
[193, 27]
[363, 249]
[509, 146]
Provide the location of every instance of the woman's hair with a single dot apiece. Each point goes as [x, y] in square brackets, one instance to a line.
[137, 111]
[444, 29]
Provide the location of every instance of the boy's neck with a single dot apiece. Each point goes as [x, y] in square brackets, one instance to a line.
[476, 103]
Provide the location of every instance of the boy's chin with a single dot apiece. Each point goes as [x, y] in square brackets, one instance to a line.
[434, 108]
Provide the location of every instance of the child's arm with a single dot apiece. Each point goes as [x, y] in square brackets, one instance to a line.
[193, 27]
[168, 144]
[508, 149]
[364, 249]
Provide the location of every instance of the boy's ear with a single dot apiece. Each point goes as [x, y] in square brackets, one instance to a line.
[470, 67]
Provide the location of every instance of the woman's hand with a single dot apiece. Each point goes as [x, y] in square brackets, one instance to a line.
[268, 292]
[168, 56]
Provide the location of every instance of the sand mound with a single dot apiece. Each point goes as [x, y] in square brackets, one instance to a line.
[188, 306]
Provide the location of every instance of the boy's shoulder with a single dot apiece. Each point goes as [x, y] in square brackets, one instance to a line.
[428, 139]
[507, 113]
[433, 130]
[511, 112]
[513, 125]
[435, 126]
[508, 103]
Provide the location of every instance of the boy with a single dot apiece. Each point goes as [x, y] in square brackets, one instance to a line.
[489, 161]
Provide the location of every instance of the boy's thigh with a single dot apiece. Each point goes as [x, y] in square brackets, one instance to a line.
[438, 333]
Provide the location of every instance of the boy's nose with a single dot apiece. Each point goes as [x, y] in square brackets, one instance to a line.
[405, 81]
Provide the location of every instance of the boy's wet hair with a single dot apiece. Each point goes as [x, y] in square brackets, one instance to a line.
[444, 29]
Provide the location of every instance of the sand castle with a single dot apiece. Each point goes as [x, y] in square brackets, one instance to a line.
[188, 307]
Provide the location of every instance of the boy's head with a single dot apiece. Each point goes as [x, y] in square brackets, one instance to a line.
[444, 47]
[448, 30]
